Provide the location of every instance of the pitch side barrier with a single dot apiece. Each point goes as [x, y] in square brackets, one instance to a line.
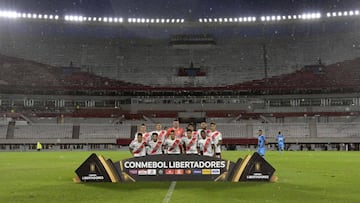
[175, 168]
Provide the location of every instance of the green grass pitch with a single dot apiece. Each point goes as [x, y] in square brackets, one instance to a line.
[303, 177]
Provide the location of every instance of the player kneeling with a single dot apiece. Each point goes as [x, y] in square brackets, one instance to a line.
[154, 146]
[137, 146]
[189, 142]
[173, 144]
[205, 145]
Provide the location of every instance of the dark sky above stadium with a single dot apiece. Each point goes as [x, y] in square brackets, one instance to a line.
[189, 9]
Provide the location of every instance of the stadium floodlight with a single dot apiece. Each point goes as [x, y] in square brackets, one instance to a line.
[162, 20]
[89, 19]
[289, 17]
[245, 19]
[340, 13]
[230, 20]
[168, 20]
[71, 18]
[105, 19]
[23, 15]
[345, 13]
[240, 19]
[99, 19]
[8, 14]
[51, 17]
[235, 19]
[328, 15]
[225, 20]
[129, 20]
[157, 20]
[200, 20]
[284, 17]
[273, 17]
[334, 14]
[205, 20]
[254, 19]
[278, 17]
[111, 20]
[67, 18]
[152, 20]
[18, 15]
[177, 20]
[121, 20]
[356, 12]
[94, 19]
[294, 16]
[173, 20]
[28, 15]
[210, 20]
[351, 13]
[56, 17]
[142, 20]
[147, 20]
[40, 16]
[182, 20]
[46, 16]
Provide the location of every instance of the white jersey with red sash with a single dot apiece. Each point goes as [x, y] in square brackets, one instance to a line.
[137, 148]
[145, 136]
[154, 148]
[199, 133]
[161, 135]
[190, 144]
[216, 137]
[173, 146]
[205, 146]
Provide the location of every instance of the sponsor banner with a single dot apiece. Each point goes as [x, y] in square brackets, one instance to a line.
[151, 172]
[206, 171]
[179, 171]
[215, 171]
[174, 168]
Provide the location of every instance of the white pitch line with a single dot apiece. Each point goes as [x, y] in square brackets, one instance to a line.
[170, 192]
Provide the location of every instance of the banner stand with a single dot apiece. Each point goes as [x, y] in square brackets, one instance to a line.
[181, 167]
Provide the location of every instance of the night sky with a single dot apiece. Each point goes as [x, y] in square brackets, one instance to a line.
[189, 9]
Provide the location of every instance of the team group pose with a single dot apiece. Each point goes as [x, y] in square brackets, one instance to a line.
[176, 140]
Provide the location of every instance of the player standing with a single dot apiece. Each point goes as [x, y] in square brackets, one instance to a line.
[179, 132]
[160, 132]
[189, 143]
[203, 126]
[261, 144]
[205, 145]
[154, 145]
[216, 136]
[191, 127]
[173, 144]
[280, 139]
[137, 146]
[145, 135]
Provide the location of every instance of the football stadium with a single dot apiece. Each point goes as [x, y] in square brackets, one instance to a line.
[179, 101]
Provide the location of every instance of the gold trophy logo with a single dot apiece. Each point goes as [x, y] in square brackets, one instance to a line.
[257, 167]
[92, 168]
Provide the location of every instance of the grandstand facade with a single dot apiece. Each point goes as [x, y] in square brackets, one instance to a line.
[75, 91]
